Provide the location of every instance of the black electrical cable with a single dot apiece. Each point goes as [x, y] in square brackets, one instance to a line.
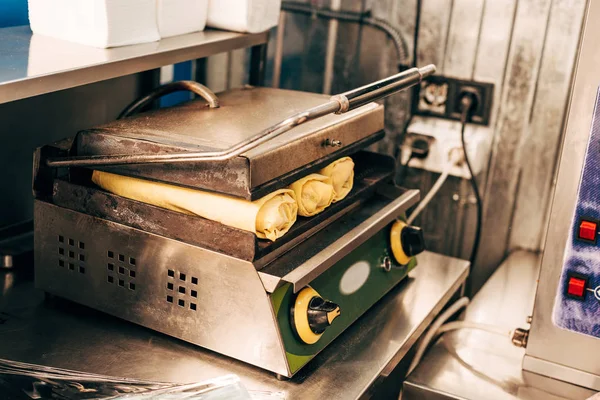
[361, 18]
[404, 172]
[467, 102]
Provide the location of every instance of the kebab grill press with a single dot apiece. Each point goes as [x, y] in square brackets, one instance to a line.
[271, 304]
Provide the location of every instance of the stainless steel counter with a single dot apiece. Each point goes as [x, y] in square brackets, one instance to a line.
[32, 64]
[70, 336]
[471, 364]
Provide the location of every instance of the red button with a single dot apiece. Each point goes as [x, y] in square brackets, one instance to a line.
[587, 230]
[576, 287]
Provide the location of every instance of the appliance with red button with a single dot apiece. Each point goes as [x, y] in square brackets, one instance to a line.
[588, 230]
[564, 339]
[576, 286]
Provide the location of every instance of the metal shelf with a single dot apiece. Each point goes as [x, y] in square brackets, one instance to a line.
[31, 64]
[75, 337]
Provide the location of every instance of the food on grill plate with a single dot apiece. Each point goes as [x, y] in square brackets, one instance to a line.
[269, 217]
[314, 193]
[341, 173]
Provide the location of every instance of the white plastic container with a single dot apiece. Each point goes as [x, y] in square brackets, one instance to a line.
[243, 15]
[99, 23]
[178, 17]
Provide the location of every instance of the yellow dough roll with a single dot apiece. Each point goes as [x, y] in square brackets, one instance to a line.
[314, 193]
[341, 173]
[269, 217]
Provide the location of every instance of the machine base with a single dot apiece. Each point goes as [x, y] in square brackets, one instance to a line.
[562, 373]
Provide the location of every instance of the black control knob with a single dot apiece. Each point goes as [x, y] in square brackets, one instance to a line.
[321, 314]
[413, 242]
[405, 241]
[311, 315]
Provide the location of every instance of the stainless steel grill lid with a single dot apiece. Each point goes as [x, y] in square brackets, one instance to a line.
[194, 127]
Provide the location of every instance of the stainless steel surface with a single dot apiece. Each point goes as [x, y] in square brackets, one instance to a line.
[78, 338]
[546, 341]
[471, 364]
[224, 155]
[31, 65]
[214, 301]
[561, 372]
[330, 248]
[193, 127]
[203, 297]
[356, 98]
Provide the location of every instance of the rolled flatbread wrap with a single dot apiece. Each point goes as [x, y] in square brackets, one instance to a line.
[269, 217]
[341, 173]
[314, 193]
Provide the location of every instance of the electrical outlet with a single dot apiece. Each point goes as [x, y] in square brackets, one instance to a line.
[439, 96]
[442, 136]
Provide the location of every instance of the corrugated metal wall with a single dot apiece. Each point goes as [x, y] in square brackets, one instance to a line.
[526, 48]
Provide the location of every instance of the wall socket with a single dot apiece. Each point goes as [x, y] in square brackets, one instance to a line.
[439, 96]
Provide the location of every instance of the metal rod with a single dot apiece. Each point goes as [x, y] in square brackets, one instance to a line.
[385, 87]
[278, 59]
[331, 45]
[338, 104]
[258, 62]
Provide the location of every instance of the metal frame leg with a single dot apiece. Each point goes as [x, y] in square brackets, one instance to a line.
[258, 64]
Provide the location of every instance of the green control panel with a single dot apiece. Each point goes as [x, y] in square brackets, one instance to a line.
[312, 318]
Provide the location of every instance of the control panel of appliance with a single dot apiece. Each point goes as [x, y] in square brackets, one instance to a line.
[577, 305]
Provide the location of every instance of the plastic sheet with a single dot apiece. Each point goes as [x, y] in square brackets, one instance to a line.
[30, 381]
